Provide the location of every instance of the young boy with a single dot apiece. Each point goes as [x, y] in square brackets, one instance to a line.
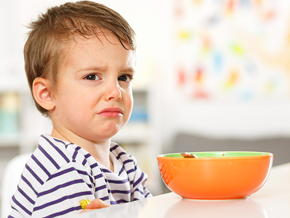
[79, 62]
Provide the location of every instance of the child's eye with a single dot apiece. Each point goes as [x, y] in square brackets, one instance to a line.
[92, 77]
[125, 78]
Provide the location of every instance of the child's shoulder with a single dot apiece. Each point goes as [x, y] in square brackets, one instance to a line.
[49, 160]
[53, 149]
[52, 154]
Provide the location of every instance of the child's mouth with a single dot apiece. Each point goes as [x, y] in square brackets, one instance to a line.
[111, 112]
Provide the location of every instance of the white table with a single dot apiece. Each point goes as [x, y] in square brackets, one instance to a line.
[271, 201]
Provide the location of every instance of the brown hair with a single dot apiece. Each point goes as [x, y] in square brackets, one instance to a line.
[43, 50]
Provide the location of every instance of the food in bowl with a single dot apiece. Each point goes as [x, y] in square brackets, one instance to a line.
[215, 175]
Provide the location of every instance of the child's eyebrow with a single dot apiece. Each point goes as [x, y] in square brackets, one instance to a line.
[129, 69]
[92, 68]
[104, 68]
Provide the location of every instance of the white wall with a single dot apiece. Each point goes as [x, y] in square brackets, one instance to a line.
[172, 112]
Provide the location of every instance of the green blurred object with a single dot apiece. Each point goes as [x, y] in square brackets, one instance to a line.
[9, 113]
[9, 122]
[220, 154]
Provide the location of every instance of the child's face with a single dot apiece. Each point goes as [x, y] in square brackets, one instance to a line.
[93, 97]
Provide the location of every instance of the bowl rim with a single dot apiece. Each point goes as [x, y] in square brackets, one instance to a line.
[260, 155]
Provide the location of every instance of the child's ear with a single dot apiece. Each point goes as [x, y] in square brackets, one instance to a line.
[42, 94]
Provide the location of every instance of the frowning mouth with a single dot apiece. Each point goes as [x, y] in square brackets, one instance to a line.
[111, 112]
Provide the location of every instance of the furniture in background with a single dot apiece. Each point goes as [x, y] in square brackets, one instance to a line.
[10, 180]
[279, 146]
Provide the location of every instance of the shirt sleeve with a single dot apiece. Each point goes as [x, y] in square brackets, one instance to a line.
[139, 190]
[58, 196]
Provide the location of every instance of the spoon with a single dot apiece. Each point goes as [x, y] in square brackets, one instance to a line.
[188, 155]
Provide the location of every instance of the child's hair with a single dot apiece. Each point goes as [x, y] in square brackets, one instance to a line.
[44, 48]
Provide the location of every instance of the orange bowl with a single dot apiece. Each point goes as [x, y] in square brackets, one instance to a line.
[215, 175]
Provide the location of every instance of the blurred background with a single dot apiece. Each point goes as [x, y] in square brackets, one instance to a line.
[211, 75]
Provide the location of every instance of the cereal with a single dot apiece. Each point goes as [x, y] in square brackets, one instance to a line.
[84, 203]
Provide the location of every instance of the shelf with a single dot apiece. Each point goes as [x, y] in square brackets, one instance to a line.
[139, 87]
[9, 139]
[14, 86]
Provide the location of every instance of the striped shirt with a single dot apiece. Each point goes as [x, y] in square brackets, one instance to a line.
[60, 174]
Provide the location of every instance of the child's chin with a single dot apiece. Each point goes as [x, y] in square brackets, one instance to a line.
[109, 134]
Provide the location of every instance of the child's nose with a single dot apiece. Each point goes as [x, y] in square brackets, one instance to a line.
[113, 92]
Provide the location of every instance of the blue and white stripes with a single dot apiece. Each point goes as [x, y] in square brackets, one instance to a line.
[59, 174]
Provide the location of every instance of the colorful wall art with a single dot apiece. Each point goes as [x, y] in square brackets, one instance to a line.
[232, 49]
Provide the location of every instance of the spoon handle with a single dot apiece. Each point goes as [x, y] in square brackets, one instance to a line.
[188, 155]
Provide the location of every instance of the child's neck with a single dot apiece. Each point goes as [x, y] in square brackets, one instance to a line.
[100, 151]
[101, 155]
